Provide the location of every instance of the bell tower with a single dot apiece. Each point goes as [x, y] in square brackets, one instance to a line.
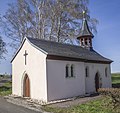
[85, 36]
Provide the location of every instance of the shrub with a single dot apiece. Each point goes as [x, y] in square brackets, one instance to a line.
[113, 94]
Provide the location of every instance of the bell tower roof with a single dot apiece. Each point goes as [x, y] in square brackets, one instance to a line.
[85, 31]
[85, 36]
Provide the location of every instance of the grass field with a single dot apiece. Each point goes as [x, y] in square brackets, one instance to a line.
[5, 86]
[116, 80]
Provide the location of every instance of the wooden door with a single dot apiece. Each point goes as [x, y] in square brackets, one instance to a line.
[96, 82]
[27, 87]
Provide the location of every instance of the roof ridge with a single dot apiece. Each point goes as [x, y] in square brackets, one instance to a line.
[57, 42]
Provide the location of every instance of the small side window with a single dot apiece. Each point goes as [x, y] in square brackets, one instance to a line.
[106, 72]
[87, 72]
[72, 70]
[67, 71]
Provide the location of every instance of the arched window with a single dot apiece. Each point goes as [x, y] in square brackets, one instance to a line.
[106, 72]
[82, 42]
[67, 71]
[72, 70]
[86, 43]
[87, 72]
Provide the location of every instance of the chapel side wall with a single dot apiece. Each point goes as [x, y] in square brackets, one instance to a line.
[60, 87]
[93, 69]
[35, 69]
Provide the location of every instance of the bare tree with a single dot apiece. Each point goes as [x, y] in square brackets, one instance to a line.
[2, 48]
[2, 43]
[55, 20]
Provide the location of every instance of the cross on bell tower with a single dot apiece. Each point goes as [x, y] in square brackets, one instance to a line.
[25, 55]
[85, 35]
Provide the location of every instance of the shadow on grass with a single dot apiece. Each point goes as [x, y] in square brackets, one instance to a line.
[117, 85]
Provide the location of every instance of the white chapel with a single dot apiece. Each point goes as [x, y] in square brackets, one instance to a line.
[48, 71]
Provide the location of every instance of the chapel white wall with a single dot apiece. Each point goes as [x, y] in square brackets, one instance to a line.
[60, 87]
[93, 69]
[35, 69]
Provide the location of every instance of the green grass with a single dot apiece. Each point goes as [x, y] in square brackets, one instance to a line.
[6, 89]
[116, 80]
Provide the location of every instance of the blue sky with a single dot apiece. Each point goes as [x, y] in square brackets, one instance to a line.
[106, 41]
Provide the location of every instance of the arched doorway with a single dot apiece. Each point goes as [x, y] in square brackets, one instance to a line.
[26, 88]
[97, 82]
